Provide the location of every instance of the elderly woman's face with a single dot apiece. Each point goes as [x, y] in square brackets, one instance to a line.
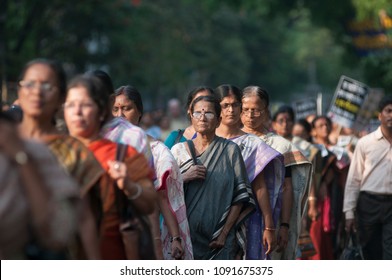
[38, 92]
[81, 113]
[204, 118]
[126, 108]
[254, 113]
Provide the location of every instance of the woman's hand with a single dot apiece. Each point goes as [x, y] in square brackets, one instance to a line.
[313, 212]
[269, 241]
[220, 241]
[118, 172]
[195, 172]
[176, 250]
[283, 239]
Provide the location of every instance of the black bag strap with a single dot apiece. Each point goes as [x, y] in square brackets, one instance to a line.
[122, 202]
[179, 135]
[120, 152]
[192, 150]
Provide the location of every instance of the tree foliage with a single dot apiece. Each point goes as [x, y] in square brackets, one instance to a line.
[166, 47]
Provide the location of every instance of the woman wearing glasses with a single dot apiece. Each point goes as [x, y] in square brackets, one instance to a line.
[217, 191]
[182, 135]
[41, 92]
[264, 166]
[255, 118]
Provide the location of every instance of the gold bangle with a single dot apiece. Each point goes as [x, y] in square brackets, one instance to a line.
[138, 192]
[269, 229]
[311, 198]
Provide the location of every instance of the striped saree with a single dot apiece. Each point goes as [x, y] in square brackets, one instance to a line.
[209, 201]
[120, 130]
[258, 156]
[301, 169]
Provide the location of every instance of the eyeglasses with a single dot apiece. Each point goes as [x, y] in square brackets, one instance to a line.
[255, 112]
[234, 105]
[30, 85]
[209, 116]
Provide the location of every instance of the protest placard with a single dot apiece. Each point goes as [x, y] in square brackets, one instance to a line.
[308, 106]
[367, 117]
[305, 107]
[347, 101]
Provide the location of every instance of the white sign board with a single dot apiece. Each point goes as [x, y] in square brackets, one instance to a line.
[348, 99]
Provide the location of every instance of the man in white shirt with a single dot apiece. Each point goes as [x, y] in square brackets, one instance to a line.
[368, 192]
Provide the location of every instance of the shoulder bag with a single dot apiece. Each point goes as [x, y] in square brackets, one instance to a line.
[134, 227]
[352, 249]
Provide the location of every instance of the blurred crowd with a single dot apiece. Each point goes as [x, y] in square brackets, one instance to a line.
[88, 173]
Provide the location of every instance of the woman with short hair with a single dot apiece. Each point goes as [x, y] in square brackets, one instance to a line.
[218, 195]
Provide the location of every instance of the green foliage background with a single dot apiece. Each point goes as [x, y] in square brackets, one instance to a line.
[293, 48]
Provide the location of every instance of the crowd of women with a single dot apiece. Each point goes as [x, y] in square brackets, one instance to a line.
[234, 184]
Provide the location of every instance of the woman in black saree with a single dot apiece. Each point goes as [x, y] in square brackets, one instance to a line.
[218, 195]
